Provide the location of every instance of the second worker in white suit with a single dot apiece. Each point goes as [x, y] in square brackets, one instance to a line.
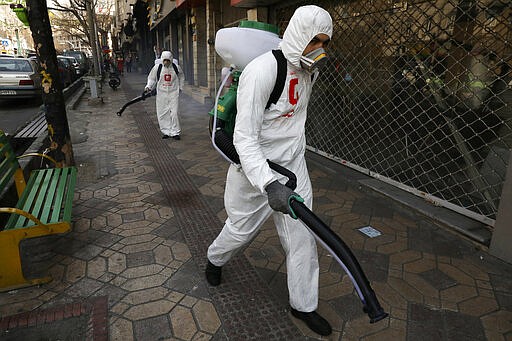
[168, 80]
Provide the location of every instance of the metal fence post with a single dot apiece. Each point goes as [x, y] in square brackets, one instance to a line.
[502, 235]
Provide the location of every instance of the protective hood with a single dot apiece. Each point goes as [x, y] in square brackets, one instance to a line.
[305, 24]
[166, 55]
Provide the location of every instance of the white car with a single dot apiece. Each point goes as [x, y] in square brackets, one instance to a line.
[19, 78]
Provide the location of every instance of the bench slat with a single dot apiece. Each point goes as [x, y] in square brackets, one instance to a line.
[61, 194]
[48, 202]
[7, 170]
[49, 197]
[68, 204]
[34, 128]
[15, 220]
[41, 191]
[8, 164]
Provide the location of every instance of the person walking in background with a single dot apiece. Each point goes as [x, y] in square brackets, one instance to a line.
[107, 65]
[168, 81]
[254, 192]
[158, 51]
[136, 62]
[120, 65]
[128, 62]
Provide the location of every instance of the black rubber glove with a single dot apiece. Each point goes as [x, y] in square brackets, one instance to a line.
[280, 196]
[146, 92]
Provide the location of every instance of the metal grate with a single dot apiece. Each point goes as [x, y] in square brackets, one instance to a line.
[419, 94]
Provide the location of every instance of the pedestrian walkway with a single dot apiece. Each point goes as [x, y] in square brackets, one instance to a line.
[146, 209]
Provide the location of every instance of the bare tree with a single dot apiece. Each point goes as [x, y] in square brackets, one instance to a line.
[72, 18]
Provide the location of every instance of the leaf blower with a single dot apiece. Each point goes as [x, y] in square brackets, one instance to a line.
[135, 100]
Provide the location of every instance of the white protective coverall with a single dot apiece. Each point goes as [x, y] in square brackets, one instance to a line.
[277, 134]
[167, 95]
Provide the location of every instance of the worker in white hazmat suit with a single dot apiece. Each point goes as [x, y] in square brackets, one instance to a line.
[254, 192]
[168, 85]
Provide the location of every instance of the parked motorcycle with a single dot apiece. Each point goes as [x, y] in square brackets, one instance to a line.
[114, 80]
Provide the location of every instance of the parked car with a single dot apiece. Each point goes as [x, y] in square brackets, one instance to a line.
[66, 71]
[19, 78]
[82, 59]
[76, 65]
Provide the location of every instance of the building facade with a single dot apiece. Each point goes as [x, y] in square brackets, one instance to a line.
[15, 37]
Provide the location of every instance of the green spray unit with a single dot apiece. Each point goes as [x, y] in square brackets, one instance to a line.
[226, 107]
[237, 46]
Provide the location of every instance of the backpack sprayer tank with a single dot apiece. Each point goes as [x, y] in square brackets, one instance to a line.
[237, 46]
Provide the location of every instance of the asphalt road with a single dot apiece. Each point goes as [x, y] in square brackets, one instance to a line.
[15, 114]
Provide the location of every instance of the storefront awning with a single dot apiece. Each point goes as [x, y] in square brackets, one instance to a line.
[159, 9]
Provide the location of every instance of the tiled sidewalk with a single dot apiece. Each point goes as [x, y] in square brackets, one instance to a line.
[146, 209]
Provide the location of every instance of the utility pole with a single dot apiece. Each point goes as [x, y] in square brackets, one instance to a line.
[53, 100]
[18, 46]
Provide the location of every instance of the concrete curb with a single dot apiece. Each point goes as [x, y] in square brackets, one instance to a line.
[73, 102]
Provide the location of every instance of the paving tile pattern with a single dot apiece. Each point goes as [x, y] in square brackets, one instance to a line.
[261, 320]
[145, 210]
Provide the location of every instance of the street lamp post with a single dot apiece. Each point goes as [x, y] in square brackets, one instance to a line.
[18, 46]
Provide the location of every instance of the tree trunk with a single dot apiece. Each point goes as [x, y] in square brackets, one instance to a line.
[53, 100]
[93, 37]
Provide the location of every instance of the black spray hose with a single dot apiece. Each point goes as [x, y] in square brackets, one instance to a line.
[135, 100]
[225, 143]
[345, 258]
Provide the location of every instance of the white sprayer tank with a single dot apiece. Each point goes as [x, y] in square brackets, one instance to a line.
[239, 45]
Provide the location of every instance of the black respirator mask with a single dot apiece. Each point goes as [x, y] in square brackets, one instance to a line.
[315, 59]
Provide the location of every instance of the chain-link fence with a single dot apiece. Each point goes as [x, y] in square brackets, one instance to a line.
[418, 93]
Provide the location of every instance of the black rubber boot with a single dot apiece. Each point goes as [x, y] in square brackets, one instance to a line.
[213, 274]
[314, 321]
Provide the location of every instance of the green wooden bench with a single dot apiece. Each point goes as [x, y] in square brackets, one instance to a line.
[43, 208]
